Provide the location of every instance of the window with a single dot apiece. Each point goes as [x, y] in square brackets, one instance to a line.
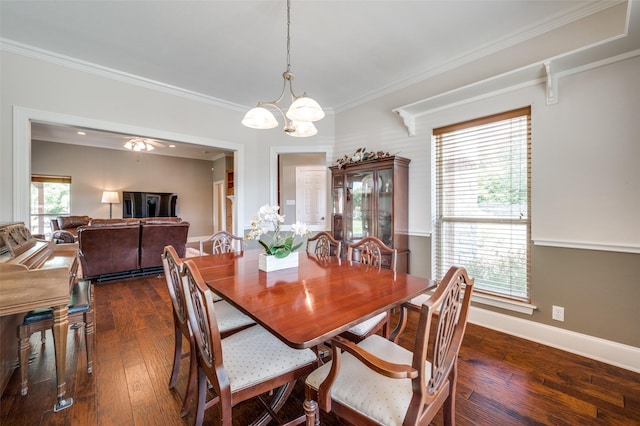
[482, 202]
[50, 197]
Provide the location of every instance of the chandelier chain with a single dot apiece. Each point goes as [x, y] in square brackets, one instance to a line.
[288, 37]
[303, 111]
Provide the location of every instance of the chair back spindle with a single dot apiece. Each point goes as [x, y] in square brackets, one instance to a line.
[222, 242]
[201, 314]
[172, 269]
[323, 244]
[372, 251]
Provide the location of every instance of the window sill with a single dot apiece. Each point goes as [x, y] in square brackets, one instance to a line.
[510, 305]
[485, 299]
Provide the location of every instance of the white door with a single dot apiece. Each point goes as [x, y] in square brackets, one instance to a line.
[311, 196]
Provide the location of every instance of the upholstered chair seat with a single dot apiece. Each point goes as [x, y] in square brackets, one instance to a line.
[245, 361]
[383, 399]
[231, 319]
[366, 326]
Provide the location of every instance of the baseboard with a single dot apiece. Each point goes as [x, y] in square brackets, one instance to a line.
[618, 354]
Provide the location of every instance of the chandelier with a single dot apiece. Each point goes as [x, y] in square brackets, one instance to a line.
[303, 111]
[139, 144]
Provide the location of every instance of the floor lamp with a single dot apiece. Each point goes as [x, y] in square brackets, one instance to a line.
[111, 197]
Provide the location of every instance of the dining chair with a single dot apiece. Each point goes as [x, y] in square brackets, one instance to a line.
[323, 244]
[222, 242]
[80, 311]
[245, 365]
[379, 382]
[371, 251]
[230, 319]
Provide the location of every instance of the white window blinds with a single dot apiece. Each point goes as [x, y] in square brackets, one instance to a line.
[483, 186]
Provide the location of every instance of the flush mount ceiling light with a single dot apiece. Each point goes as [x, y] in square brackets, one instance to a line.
[298, 121]
[139, 144]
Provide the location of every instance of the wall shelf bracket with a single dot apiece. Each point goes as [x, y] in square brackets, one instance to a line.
[409, 121]
[552, 85]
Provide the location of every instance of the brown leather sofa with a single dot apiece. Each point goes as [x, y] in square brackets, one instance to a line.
[65, 228]
[158, 232]
[117, 248]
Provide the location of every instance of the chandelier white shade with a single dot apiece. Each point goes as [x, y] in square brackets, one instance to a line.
[299, 118]
[305, 109]
[303, 129]
[259, 118]
[138, 144]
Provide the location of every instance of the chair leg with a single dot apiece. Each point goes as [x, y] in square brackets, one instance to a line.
[202, 396]
[192, 382]
[89, 332]
[449, 406]
[177, 354]
[24, 333]
[43, 336]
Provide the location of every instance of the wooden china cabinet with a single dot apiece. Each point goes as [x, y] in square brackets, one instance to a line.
[370, 198]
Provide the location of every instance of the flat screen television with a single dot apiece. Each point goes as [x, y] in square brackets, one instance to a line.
[149, 204]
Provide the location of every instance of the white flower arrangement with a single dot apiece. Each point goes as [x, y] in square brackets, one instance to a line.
[266, 224]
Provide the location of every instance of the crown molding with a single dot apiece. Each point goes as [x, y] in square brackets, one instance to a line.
[91, 68]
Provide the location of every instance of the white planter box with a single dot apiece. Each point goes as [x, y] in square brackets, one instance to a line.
[268, 263]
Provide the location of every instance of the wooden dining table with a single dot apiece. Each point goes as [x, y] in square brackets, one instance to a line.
[309, 304]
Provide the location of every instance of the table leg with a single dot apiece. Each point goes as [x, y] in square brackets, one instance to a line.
[60, 330]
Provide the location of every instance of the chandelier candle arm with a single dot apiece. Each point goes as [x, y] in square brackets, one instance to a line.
[300, 114]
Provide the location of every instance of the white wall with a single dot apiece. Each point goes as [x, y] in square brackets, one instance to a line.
[586, 148]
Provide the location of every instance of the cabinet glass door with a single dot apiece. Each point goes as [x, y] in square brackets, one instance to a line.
[360, 207]
[385, 206]
[338, 206]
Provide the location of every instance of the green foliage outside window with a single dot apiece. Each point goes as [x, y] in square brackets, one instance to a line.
[50, 198]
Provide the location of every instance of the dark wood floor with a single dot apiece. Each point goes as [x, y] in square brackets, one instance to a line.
[503, 380]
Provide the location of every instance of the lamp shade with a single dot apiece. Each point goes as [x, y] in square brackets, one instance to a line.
[110, 197]
[303, 129]
[305, 109]
[259, 118]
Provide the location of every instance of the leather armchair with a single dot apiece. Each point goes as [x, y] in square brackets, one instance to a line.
[65, 228]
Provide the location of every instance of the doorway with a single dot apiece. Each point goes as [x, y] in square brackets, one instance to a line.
[302, 188]
[22, 137]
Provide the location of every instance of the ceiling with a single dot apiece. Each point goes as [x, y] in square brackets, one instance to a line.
[343, 52]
